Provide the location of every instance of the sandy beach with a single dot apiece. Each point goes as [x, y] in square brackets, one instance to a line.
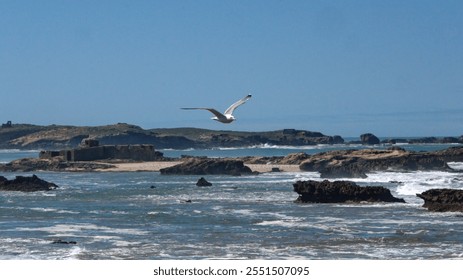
[158, 165]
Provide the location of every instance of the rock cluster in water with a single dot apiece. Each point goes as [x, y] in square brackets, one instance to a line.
[443, 200]
[356, 163]
[26, 184]
[340, 192]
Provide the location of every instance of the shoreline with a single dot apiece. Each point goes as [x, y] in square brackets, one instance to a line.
[156, 166]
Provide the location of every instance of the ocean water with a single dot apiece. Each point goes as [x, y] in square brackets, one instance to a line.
[145, 215]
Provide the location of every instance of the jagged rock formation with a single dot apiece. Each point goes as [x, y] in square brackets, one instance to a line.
[26, 184]
[205, 166]
[443, 200]
[356, 163]
[341, 192]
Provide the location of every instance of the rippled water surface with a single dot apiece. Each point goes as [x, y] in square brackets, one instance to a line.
[144, 215]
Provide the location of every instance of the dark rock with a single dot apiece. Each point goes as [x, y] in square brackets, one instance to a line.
[337, 140]
[26, 184]
[356, 163]
[443, 200]
[343, 171]
[341, 192]
[276, 169]
[369, 139]
[59, 241]
[54, 164]
[203, 183]
[201, 166]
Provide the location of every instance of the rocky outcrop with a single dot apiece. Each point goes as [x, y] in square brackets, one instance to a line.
[35, 164]
[369, 139]
[356, 163]
[295, 158]
[346, 170]
[425, 140]
[202, 182]
[205, 166]
[341, 192]
[443, 200]
[63, 242]
[26, 184]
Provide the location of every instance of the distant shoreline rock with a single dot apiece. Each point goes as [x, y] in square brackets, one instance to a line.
[341, 192]
[202, 182]
[26, 184]
[356, 163]
[332, 164]
[36, 164]
[206, 166]
[59, 137]
[369, 139]
[442, 200]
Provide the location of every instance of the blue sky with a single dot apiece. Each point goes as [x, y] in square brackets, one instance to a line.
[392, 68]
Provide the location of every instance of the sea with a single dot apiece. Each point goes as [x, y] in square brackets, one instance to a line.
[149, 216]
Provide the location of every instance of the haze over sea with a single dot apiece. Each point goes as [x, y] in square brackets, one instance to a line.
[143, 215]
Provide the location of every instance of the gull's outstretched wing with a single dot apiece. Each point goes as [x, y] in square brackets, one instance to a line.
[213, 111]
[230, 109]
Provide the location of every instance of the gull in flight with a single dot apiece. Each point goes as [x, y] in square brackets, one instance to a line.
[227, 116]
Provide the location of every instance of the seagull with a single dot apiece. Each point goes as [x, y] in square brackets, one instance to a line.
[227, 116]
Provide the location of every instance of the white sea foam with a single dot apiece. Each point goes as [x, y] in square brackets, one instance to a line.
[14, 151]
[69, 229]
[279, 223]
[75, 252]
[40, 209]
[245, 212]
[411, 183]
[456, 165]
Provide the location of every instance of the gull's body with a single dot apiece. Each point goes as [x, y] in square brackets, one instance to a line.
[227, 116]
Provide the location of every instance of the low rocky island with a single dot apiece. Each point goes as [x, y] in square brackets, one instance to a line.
[26, 184]
[57, 165]
[28, 136]
[443, 200]
[341, 192]
[356, 163]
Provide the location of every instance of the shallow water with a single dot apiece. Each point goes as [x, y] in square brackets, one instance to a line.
[145, 215]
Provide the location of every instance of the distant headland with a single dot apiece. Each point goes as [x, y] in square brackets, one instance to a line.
[29, 136]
